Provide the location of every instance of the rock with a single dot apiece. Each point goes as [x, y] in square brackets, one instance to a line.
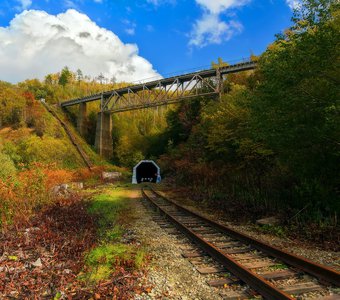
[64, 186]
[37, 263]
[111, 175]
[32, 229]
[268, 221]
[60, 190]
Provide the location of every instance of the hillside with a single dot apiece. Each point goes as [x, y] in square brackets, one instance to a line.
[44, 140]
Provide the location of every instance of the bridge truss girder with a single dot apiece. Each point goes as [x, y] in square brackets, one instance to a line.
[161, 94]
[163, 91]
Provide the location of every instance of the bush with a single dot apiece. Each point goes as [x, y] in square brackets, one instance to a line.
[20, 197]
[7, 168]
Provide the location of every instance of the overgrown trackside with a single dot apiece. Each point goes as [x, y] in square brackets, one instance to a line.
[114, 265]
[72, 248]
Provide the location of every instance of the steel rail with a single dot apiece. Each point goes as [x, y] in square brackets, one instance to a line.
[262, 286]
[323, 273]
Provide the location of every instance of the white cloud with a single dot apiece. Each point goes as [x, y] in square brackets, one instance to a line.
[24, 4]
[293, 4]
[36, 43]
[160, 2]
[218, 6]
[130, 31]
[70, 4]
[210, 28]
[98, 1]
[130, 26]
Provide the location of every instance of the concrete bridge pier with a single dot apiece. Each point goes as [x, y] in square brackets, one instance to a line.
[81, 120]
[103, 142]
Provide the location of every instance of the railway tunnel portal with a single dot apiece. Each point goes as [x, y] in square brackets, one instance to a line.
[146, 171]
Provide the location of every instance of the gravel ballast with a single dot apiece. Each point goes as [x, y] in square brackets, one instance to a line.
[170, 275]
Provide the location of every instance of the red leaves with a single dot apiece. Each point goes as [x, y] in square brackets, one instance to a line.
[20, 197]
[29, 98]
[44, 260]
[58, 237]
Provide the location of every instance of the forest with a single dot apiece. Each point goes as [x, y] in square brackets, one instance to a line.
[270, 144]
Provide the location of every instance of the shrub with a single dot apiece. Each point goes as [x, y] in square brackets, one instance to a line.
[20, 197]
[7, 168]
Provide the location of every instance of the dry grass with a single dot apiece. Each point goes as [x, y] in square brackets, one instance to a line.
[14, 135]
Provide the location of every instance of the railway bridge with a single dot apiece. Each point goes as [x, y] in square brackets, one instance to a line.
[150, 94]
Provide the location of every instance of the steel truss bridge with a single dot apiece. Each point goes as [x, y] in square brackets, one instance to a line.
[163, 91]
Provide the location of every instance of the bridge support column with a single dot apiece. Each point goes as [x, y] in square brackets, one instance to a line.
[103, 142]
[81, 120]
[219, 83]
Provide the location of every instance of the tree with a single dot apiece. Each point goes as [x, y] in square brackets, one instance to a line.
[65, 77]
[220, 63]
[296, 105]
[80, 76]
[101, 78]
[48, 79]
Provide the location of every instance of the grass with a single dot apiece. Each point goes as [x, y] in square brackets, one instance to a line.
[112, 207]
[273, 229]
[278, 267]
[93, 156]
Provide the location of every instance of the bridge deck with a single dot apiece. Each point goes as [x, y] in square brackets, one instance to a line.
[164, 82]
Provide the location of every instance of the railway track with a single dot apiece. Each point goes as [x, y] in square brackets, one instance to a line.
[267, 270]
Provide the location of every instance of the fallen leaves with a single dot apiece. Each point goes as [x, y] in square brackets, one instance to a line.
[45, 260]
[40, 261]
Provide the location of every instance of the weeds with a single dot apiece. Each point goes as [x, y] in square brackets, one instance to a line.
[278, 267]
[105, 260]
[111, 256]
[273, 229]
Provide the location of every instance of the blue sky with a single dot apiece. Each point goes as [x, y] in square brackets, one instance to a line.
[171, 35]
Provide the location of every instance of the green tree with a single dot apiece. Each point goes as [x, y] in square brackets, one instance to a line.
[296, 105]
[65, 76]
[48, 79]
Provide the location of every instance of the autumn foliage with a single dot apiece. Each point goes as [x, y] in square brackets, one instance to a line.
[22, 195]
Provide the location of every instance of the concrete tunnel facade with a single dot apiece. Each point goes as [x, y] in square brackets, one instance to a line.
[146, 171]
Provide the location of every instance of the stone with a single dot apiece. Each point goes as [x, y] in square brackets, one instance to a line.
[111, 175]
[37, 263]
[64, 187]
[268, 221]
[210, 270]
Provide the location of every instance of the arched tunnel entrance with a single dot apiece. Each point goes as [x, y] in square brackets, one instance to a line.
[146, 171]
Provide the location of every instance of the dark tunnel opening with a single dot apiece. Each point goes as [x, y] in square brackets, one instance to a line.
[146, 172]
